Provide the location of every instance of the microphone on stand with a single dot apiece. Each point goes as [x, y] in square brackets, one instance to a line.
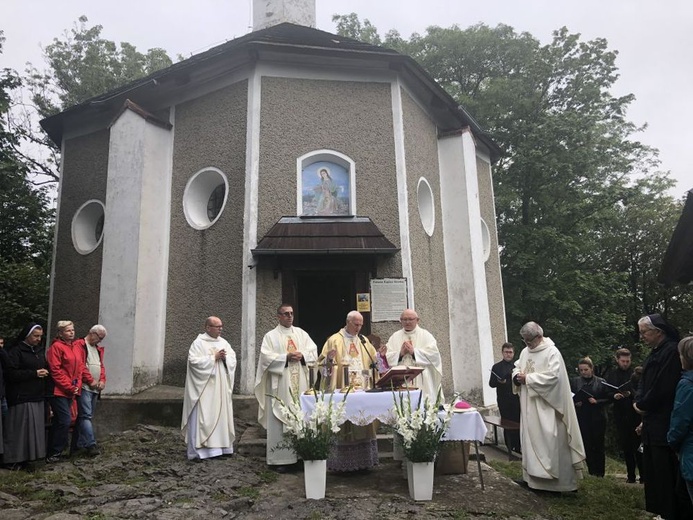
[374, 365]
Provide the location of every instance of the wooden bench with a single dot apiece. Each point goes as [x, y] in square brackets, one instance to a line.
[506, 424]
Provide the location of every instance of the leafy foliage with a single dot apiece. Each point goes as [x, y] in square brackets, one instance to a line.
[582, 210]
[84, 65]
[81, 65]
[25, 229]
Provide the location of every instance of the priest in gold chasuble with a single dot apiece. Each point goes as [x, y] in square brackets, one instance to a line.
[357, 446]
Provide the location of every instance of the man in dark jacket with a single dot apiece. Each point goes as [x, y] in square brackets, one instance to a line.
[654, 400]
[508, 403]
[626, 418]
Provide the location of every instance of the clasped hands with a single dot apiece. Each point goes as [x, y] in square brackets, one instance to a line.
[296, 355]
[407, 348]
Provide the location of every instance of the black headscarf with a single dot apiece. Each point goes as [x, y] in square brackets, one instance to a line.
[669, 330]
[24, 333]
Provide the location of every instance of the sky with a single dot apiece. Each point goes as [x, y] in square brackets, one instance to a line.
[653, 39]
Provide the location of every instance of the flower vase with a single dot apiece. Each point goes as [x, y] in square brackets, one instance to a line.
[315, 477]
[420, 480]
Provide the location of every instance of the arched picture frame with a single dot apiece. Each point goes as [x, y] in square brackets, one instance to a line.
[326, 184]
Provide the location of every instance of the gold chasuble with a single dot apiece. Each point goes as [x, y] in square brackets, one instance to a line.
[357, 446]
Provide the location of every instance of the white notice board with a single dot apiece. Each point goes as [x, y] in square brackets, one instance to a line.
[388, 298]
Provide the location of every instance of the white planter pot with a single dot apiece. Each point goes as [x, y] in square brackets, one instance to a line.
[420, 480]
[315, 477]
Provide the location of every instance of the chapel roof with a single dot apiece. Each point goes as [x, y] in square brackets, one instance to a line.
[287, 42]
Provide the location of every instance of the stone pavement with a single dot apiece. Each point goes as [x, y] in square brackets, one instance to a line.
[143, 473]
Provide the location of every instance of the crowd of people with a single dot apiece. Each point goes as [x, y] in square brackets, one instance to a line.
[45, 392]
[563, 421]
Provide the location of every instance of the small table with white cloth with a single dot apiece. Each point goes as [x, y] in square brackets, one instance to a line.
[468, 427]
[363, 408]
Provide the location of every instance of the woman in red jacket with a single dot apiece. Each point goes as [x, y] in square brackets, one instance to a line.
[67, 366]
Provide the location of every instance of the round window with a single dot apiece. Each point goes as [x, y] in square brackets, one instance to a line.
[427, 209]
[485, 240]
[87, 226]
[205, 197]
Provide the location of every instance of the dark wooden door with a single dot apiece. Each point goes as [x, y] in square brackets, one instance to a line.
[323, 300]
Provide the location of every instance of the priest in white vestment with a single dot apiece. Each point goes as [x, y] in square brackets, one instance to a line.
[208, 403]
[282, 370]
[413, 346]
[552, 449]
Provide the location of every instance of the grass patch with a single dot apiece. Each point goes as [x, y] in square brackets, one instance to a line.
[250, 492]
[268, 477]
[613, 499]
[512, 470]
[610, 496]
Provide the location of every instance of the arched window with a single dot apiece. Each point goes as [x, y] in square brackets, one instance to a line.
[326, 184]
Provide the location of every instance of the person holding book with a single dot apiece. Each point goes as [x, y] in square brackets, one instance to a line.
[508, 402]
[590, 398]
[621, 389]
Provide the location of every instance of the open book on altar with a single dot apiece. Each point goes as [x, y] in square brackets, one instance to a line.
[398, 377]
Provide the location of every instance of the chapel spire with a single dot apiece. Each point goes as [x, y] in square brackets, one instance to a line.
[267, 13]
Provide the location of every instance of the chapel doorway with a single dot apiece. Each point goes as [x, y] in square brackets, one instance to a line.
[323, 300]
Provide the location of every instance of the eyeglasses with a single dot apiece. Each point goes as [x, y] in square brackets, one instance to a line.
[287, 314]
[215, 326]
[528, 341]
[97, 335]
[408, 319]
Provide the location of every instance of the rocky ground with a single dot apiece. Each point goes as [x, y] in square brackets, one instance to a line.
[143, 473]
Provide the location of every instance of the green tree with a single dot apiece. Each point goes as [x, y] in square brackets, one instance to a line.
[567, 189]
[81, 65]
[25, 228]
[350, 25]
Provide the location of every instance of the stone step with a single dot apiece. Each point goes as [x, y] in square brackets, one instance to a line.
[253, 443]
[160, 405]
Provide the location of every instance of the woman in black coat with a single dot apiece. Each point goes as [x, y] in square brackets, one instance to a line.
[590, 398]
[25, 430]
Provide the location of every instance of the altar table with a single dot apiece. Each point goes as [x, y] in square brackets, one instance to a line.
[363, 408]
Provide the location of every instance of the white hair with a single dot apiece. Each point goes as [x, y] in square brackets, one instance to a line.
[647, 323]
[352, 315]
[98, 329]
[531, 330]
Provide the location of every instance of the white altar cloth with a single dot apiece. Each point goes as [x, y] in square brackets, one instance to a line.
[363, 408]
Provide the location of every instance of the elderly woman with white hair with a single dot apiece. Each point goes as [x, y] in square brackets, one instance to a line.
[654, 400]
[86, 402]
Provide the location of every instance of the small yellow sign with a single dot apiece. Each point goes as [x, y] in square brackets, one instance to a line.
[363, 302]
